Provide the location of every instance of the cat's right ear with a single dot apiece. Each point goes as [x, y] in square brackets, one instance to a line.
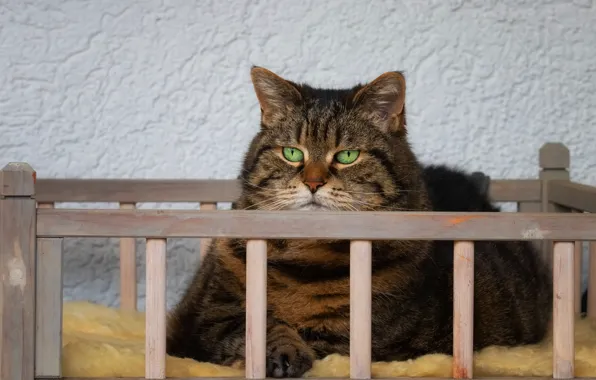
[382, 102]
[276, 96]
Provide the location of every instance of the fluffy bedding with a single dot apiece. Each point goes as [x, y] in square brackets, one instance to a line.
[105, 342]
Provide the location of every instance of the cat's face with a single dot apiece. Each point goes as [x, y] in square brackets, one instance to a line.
[347, 152]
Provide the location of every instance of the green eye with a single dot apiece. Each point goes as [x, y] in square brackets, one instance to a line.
[346, 157]
[293, 154]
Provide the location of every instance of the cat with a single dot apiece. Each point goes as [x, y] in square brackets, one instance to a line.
[451, 189]
[345, 150]
[455, 190]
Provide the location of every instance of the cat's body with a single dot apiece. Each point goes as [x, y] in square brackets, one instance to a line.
[451, 189]
[347, 150]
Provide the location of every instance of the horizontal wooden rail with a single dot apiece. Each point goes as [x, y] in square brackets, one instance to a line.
[317, 378]
[572, 195]
[515, 190]
[136, 190]
[212, 190]
[315, 225]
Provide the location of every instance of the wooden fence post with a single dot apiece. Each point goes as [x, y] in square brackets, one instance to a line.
[533, 206]
[17, 264]
[554, 163]
[128, 268]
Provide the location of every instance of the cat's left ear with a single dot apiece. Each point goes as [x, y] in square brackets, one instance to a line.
[382, 102]
[276, 95]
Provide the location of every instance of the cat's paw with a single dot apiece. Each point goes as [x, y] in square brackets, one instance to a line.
[288, 360]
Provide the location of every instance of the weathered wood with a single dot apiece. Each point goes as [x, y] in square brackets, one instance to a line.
[48, 308]
[48, 305]
[17, 277]
[554, 162]
[256, 309]
[563, 313]
[17, 179]
[220, 190]
[155, 320]
[533, 207]
[554, 156]
[205, 242]
[515, 190]
[463, 309]
[318, 378]
[128, 269]
[303, 224]
[572, 195]
[360, 309]
[137, 190]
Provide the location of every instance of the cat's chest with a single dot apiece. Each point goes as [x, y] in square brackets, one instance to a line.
[314, 305]
[308, 284]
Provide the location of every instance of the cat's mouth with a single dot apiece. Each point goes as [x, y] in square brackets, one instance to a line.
[312, 205]
[305, 201]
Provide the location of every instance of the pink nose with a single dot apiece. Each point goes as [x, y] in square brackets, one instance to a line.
[314, 184]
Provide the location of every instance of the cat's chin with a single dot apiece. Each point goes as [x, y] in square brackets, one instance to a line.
[312, 207]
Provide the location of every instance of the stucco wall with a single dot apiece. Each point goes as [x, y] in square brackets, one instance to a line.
[160, 89]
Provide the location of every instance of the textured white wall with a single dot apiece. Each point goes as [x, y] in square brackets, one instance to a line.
[148, 88]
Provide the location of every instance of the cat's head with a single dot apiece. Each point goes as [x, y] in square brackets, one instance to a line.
[321, 149]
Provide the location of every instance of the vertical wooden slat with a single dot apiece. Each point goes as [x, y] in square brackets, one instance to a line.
[48, 308]
[563, 315]
[577, 270]
[592, 281]
[128, 269]
[155, 320]
[463, 309]
[256, 309]
[554, 162]
[205, 242]
[360, 309]
[17, 272]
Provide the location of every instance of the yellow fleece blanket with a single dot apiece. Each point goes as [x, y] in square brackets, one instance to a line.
[105, 342]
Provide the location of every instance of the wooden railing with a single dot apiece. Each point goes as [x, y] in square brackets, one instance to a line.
[157, 225]
[31, 244]
[206, 192]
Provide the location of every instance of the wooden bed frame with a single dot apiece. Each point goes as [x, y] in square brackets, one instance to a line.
[553, 211]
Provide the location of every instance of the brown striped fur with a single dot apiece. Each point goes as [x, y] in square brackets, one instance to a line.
[308, 281]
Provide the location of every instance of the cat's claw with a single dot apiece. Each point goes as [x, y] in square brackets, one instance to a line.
[288, 361]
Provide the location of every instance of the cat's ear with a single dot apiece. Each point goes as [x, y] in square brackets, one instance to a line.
[382, 102]
[276, 95]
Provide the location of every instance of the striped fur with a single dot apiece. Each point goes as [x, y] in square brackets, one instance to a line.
[308, 281]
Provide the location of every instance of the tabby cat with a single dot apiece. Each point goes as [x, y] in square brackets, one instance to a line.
[323, 149]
